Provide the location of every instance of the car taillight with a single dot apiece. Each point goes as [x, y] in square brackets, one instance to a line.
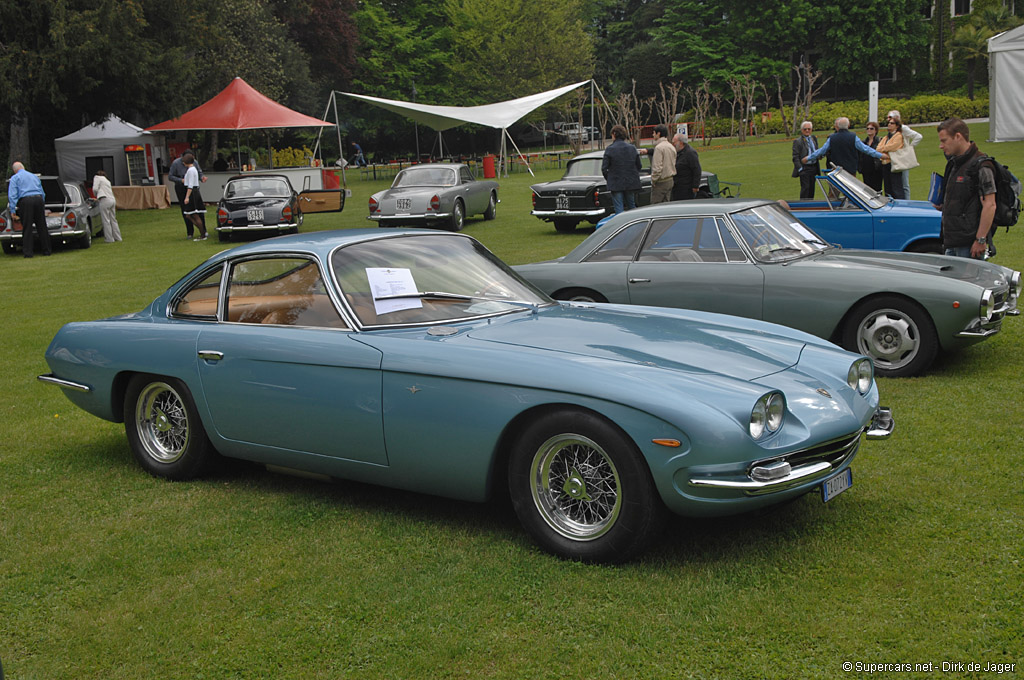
[534, 199]
[435, 202]
[597, 198]
[373, 205]
[70, 220]
[3, 223]
[286, 214]
[222, 216]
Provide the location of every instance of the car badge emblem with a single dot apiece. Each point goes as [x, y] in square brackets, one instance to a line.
[823, 392]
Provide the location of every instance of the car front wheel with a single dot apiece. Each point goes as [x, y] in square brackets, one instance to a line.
[164, 431]
[582, 490]
[896, 333]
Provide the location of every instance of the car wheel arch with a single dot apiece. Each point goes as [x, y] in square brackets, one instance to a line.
[925, 245]
[837, 332]
[578, 292]
[930, 342]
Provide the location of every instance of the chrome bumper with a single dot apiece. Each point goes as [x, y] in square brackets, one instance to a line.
[409, 218]
[568, 213]
[54, 380]
[779, 474]
[257, 227]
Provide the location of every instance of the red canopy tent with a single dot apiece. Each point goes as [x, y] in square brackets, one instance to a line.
[239, 106]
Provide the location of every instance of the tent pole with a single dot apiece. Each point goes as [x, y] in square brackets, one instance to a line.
[592, 128]
[341, 151]
[520, 153]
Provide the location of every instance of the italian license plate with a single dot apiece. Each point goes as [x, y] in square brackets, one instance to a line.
[561, 202]
[838, 484]
[254, 215]
[404, 204]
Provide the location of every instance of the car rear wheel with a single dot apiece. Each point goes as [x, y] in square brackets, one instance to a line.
[458, 218]
[492, 207]
[9, 247]
[223, 236]
[896, 333]
[164, 431]
[579, 295]
[565, 226]
[85, 240]
[582, 490]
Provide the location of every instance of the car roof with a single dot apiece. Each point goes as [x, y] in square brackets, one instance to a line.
[259, 176]
[691, 207]
[321, 242]
[446, 166]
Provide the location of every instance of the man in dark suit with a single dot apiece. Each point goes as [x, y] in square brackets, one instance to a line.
[687, 170]
[621, 170]
[804, 146]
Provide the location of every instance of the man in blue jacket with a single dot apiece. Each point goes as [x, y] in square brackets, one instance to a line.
[25, 198]
[621, 170]
[844, 146]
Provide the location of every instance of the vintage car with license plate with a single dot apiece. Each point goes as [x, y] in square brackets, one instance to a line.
[754, 258]
[69, 213]
[417, 360]
[582, 195]
[262, 204]
[434, 195]
[851, 214]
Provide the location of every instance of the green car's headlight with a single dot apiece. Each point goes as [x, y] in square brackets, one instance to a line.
[1015, 285]
[861, 375]
[987, 307]
[767, 415]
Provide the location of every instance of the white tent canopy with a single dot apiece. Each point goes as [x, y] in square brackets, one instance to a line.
[1006, 86]
[500, 115]
[99, 141]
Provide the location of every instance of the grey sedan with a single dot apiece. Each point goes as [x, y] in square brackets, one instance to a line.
[434, 195]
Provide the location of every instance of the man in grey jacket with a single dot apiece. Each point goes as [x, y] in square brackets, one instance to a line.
[177, 177]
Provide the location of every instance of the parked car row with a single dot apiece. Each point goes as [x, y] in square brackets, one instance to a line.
[69, 215]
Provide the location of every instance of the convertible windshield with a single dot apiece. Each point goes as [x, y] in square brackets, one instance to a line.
[855, 187]
[428, 279]
[425, 177]
[774, 235]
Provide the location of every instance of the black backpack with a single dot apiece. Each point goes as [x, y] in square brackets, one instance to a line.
[1008, 190]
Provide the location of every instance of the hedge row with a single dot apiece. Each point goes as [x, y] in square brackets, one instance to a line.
[921, 109]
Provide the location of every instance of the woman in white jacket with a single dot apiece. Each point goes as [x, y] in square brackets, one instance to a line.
[104, 194]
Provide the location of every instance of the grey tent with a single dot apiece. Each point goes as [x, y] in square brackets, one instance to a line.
[1006, 86]
[101, 146]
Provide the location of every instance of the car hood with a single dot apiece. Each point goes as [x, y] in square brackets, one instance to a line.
[964, 269]
[693, 342]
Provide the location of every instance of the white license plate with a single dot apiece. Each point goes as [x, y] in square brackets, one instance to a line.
[404, 204]
[561, 202]
[254, 215]
[838, 484]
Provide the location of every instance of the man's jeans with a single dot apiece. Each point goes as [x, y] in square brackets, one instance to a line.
[959, 251]
[618, 197]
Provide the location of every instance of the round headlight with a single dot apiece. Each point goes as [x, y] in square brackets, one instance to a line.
[1015, 285]
[986, 308]
[775, 409]
[861, 375]
[758, 416]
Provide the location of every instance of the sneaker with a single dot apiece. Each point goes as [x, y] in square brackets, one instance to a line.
[204, 238]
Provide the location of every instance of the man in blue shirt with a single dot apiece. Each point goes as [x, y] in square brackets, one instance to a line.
[25, 199]
[844, 146]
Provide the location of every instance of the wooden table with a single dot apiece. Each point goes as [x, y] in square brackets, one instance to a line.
[141, 197]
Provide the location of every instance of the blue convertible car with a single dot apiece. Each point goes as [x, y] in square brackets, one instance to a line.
[853, 215]
[418, 360]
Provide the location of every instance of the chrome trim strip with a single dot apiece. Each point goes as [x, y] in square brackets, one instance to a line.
[59, 382]
[258, 227]
[799, 475]
[403, 218]
[568, 213]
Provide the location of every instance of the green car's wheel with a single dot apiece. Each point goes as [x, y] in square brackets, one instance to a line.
[163, 427]
[582, 489]
[896, 333]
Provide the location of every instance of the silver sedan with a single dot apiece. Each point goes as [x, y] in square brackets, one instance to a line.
[434, 194]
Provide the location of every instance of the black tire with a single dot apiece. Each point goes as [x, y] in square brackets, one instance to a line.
[896, 333]
[223, 236]
[458, 219]
[933, 247]
[164, 430]
[582, 490]
[565, 226]
[492, 207]
[579, 295]
[9, 247]
[85, 240]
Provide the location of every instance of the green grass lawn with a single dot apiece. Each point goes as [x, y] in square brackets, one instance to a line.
[106, 572]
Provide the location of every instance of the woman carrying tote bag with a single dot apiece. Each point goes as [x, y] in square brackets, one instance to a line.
[892, 144]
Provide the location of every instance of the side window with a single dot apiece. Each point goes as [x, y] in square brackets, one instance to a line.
[282, 291]
[733, 251]
[671, 240]
[467, 177]
[200, 300]
[621, 247]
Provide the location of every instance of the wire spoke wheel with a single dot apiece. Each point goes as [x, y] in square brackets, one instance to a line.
[576, 487]
[164, 429]
[162, 422]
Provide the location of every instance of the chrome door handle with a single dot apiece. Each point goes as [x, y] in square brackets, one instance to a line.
[210, 355]
[639, 280]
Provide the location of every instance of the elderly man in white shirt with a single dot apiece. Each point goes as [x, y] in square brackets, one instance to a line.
[104, 194]
[913, 139]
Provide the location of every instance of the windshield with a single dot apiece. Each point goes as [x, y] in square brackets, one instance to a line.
[428, 279]
[871, 197]
[425, 177]
[774, 235]
[256, 188]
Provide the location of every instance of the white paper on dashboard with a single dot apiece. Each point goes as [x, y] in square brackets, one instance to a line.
[385, 282]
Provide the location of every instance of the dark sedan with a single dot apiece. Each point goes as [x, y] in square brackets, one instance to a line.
[258, 203]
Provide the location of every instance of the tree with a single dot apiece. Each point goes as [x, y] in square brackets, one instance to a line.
[624, 48]
[504, 49]
[970, 40]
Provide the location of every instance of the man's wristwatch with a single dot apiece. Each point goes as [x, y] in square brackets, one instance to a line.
[981, 240]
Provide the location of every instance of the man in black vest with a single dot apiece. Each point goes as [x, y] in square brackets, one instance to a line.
[969, 192]
[844, 146]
